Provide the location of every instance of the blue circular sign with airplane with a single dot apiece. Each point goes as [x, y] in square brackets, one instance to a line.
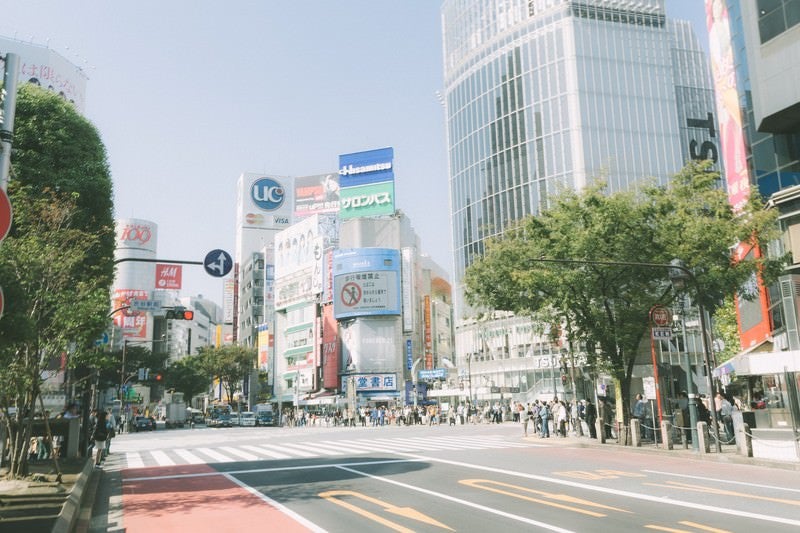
[218, 263]
[267, 194]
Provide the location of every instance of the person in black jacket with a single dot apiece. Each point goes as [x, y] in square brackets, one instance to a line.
[590, 415]
[100, 436]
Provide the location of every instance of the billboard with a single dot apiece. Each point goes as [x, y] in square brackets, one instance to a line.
[133, 324]
[362, 168]
[370, 200]
[264, 202]
[300, 247]
[731, 132]
[168, 277]
[316, 194]
[366, 282]
[135, 235]
[48, 69]
[372, 345]
[265, 342]
[330, 349]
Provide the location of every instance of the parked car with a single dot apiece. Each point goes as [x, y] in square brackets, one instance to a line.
[248, 419]
[143, 423]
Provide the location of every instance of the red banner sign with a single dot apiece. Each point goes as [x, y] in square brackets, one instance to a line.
[168, 276]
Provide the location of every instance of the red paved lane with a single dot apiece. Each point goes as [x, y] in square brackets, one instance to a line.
[197, 504]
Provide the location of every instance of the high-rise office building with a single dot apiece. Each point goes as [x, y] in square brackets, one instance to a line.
[542, 94]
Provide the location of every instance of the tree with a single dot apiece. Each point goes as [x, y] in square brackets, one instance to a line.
[231, 364]
[605, 308]
[56, 265]
[187, 375]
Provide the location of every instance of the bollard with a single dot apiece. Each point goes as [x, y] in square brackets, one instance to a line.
[601, 431]
[666, 433]
[704, 444]
[746, 440]
[636, 433]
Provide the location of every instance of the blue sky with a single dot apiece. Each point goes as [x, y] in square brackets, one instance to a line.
[187, 95]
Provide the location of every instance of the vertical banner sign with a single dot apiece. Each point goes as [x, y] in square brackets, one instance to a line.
[409, 355]
[330, 349]
[407, 288]
[428, 339]
[263, 341]
[168, 277]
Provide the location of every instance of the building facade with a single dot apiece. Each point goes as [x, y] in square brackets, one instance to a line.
[545, 94]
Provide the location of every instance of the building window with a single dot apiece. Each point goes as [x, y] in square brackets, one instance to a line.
[776, 16]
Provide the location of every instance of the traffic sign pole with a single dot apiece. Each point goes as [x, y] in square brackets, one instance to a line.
[659, 316]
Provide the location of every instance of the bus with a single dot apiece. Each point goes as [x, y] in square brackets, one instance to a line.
[218, 415]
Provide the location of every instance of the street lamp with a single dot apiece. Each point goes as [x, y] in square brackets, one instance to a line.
[679, 274]
[553, 373]
[469, 377]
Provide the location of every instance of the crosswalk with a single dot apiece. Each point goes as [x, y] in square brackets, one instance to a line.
[307, 450]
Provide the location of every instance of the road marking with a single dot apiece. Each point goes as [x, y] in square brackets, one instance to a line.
[482, 484]
[407, 512]
[284, 450]
[134, 460]
[327, 450]
[300, 450]
[215, 455]
[238, 453]
[701, 527]
[717, 480]
[162, 458]
[721, 492]
[268, 453]
[616, 492]
[351, 446]
[447, 497]
[189, 457]
[301, 519]
[401, 445]
[597, 474]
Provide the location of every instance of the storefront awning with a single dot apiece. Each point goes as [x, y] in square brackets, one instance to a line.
[760, 363]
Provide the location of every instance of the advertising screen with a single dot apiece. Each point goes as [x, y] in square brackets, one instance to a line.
[316, 194]
[366, 282]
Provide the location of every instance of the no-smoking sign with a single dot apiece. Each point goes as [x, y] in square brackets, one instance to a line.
[351, 294]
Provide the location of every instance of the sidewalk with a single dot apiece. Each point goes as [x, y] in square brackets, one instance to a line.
[729, 452]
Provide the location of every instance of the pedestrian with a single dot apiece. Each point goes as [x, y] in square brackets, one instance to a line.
[590, 415]
[527, 415]
[640, 414]
[561, 418]
[100, 436]
[544, 414]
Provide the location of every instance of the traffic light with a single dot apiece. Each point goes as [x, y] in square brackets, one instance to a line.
[180, 313]
[158, 377]
[563, 379]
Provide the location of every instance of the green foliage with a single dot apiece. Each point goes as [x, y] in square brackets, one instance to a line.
[56, 265]
[188, 375]
[231, 364]
[726, 332]
[605, 307]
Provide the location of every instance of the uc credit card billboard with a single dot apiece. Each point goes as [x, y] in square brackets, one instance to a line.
[366, 282]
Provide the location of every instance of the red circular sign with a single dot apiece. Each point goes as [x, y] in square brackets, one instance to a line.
[351, 294]
[5, 214]
[661, 316]
[2, 302]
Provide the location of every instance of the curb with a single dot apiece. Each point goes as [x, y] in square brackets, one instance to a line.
[68, 516]
[724, 457]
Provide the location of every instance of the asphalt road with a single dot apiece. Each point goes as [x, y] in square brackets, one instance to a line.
[462, 478]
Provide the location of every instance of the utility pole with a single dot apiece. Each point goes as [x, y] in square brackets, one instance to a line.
[9, 97]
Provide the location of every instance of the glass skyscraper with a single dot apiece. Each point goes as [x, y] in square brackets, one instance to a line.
[544, 94]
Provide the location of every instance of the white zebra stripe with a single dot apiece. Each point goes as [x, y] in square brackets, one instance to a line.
[214, 455]
[269, 453]
[162, 458]
[134, 460]
[188, 456]
[244, 455]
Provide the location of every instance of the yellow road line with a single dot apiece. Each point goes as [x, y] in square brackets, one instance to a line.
[407, 512]
[721, 492]
[703, 528]
[482, 484]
